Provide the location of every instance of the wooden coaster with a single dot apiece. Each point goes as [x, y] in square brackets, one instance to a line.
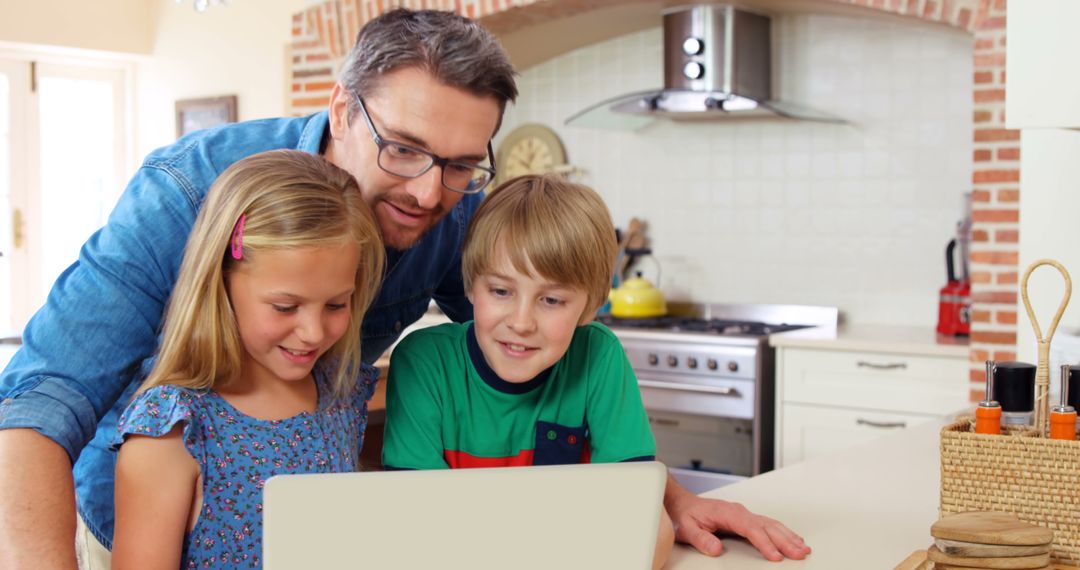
[991, 528]
[940, 566]
[1011, 562]
[976, 550]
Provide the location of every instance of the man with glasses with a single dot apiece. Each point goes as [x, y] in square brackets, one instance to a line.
[420, 96]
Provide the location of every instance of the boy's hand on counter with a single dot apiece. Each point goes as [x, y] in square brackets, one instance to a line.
[697, 518]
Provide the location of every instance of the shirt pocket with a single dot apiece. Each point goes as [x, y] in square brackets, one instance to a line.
[560, 445]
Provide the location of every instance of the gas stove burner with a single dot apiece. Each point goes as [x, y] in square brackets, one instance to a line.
[696, 325]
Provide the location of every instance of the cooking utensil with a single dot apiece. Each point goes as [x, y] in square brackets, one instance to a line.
[634, 236]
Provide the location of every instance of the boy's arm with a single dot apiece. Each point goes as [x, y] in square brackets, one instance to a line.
[155, 485]
[413, 435]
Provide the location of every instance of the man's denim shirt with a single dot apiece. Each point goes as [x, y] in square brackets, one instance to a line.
[85, 352]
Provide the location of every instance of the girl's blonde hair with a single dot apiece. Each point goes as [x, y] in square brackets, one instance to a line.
[289, 200]
[562, 229]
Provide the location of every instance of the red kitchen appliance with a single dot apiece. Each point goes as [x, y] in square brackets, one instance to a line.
[954, 304]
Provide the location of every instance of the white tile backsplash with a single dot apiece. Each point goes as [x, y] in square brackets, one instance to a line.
[773, 211]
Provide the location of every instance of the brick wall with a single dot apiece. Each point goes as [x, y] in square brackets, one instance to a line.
[322, 35]
[995, 202]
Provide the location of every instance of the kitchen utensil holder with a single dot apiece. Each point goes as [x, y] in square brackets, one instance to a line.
[1022, 471]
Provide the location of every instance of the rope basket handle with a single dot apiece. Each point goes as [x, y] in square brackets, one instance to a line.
[1042, 374]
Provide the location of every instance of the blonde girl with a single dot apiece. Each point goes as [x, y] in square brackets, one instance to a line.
[259, 369]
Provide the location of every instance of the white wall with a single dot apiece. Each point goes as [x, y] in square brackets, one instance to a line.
[1049, 210]
[855, 216]
[109, 25]
[239, 49]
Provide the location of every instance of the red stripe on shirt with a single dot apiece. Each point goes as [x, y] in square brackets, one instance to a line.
[462, 460]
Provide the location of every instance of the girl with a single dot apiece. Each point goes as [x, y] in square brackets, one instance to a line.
[259, 370]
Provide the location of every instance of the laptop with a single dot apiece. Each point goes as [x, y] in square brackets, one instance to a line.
[563, 516]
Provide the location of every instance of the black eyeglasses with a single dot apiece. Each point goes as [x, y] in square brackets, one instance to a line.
[408, 161]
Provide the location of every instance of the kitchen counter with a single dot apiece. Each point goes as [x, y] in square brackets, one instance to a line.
[875, 338]
[866, 507]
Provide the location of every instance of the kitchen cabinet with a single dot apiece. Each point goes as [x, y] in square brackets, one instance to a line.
[843, 388]
[1040, 91]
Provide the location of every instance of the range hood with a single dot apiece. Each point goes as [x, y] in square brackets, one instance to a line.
[717, 65]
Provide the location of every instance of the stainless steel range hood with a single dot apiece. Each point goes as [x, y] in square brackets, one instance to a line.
[717, 65]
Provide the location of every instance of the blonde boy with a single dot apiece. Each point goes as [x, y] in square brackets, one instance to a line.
[531, 380]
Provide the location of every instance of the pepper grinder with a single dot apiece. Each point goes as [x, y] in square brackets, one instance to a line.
[1014, 389]
[988, 414]
[1074, 390]
[1063, 416]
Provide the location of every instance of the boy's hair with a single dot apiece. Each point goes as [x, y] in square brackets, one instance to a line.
[290, 200]
[455, 50]
[563, 230]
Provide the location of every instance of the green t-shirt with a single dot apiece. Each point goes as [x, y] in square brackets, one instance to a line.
[447, 408]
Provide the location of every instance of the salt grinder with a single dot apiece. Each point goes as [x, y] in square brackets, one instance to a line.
[1063, 417]
[988, 414]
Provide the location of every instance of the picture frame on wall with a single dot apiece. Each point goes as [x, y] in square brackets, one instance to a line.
[195, 114]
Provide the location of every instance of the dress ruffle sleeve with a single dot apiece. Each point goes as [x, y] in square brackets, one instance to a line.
[156, 412]
[366, 383]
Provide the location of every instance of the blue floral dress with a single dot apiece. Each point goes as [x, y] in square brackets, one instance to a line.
[238, 453]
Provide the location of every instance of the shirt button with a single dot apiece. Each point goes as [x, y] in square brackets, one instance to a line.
[552, 435]
[572, 440]
[397, 327]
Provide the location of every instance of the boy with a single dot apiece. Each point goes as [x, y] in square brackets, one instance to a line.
[531, 380]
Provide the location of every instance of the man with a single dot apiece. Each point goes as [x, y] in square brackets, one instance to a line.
[419, 99]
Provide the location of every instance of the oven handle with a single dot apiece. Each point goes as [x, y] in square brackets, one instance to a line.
[681, 387]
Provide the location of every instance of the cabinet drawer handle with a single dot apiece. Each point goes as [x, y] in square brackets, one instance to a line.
[862, 422]
[875, 366]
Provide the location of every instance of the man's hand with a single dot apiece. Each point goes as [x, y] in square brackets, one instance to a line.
[37, 502]
[696, 519]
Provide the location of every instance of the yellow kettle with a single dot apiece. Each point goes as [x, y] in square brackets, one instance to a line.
[637, 298]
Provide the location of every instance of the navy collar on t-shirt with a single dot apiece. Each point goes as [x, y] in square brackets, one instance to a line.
[491, 378]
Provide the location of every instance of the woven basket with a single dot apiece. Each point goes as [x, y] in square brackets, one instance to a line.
[1021, 471]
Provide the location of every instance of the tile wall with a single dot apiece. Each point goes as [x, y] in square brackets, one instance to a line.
[855, 215]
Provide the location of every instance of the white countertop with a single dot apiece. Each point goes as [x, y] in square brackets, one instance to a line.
[875, 338]
[867, 507]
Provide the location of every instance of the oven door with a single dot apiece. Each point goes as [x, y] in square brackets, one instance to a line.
[703, 428]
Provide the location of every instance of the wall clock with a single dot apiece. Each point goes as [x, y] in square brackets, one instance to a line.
[529, 149]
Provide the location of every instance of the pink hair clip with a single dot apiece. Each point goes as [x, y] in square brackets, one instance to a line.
[238, 238]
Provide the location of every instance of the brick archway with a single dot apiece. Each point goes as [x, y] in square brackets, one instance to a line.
[323, 34]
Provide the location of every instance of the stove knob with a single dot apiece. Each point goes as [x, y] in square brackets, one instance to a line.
[711, 364]
[653, 359]
[733, 366]
[672, 361]
[691, 362]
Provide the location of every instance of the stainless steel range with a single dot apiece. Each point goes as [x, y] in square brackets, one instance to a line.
[707, 374]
